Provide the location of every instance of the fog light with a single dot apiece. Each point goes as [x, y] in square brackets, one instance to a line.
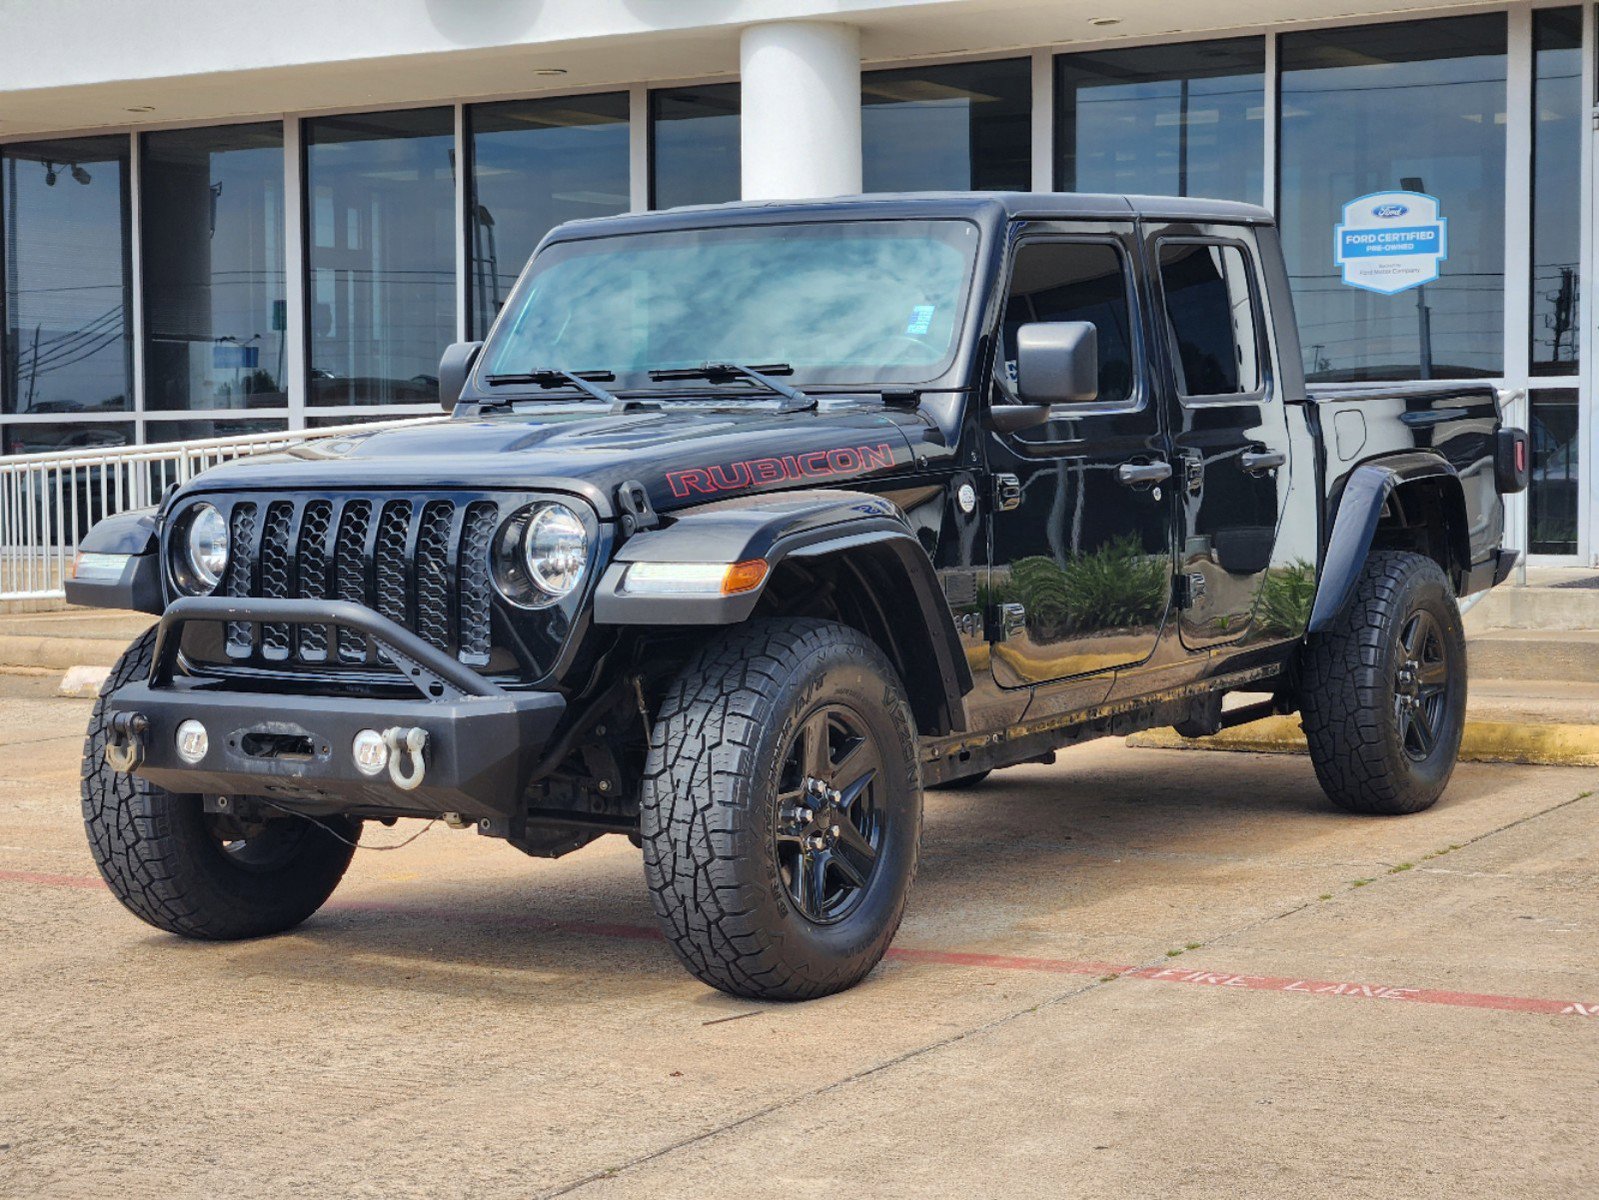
[371, 755]
[192, 741]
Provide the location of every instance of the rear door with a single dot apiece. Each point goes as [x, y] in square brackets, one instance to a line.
[1228, 426]
[1082, 535]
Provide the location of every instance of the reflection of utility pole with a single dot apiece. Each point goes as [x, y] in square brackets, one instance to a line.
[1182, 138]
[1565, 301]
[1413, 183]
[33, 369]
[486, 266]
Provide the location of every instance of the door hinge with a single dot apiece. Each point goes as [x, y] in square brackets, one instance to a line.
[1188, 589]
[1007, 492]
[1004, 620]
[1193, 473]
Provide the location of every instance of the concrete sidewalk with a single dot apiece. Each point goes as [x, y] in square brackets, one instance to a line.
[56, 641]
[1134, 973]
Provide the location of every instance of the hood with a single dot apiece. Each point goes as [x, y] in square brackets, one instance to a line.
[682, 453]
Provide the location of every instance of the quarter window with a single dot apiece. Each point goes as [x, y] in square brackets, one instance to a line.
[1075, 281]
[1210, 313]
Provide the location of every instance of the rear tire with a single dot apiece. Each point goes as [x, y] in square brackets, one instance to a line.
[192, 873]
[1384, 690]
[781, 810]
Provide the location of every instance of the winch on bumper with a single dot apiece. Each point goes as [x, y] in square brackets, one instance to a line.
[463, 745]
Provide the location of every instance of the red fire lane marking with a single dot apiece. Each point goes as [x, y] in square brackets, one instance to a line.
[956, 958]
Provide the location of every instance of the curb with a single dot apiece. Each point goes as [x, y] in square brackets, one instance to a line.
[1542, 744]
[58, 653]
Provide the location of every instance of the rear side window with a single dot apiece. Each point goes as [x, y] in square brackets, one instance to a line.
[1210, 314]
[1075, 281]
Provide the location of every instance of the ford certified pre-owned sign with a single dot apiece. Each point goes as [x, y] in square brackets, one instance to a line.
[1391, 241]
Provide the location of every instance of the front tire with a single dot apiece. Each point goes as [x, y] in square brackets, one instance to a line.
[1384, 697]
[781, 810]
[196, 874]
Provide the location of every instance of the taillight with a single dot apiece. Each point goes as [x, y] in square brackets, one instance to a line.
[1510, 461]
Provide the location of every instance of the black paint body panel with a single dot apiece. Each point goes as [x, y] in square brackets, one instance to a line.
[917, 477]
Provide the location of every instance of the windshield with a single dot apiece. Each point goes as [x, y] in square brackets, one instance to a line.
[856, 302]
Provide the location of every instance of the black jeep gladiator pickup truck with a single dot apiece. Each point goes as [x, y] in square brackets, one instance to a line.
[751, 522]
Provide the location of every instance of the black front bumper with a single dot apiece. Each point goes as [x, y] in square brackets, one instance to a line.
[483, 742]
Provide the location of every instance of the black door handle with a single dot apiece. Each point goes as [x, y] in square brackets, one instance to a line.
[1135, 473]
[1255, 461]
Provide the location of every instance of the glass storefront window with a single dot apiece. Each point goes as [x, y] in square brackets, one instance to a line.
[68, 331]
[1414, 106]
[953, 128]
[207, 426]
[211, 218]
[694, 149]
[1557, 112]
[57, 437]
[1552, 487]
[535, 164]
[1179, 120]
[381, 245]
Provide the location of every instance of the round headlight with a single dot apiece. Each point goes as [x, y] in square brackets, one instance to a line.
[205, 549]
[555, 550]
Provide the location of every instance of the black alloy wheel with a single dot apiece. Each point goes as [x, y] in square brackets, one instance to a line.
[1421, 684]
[829, 827]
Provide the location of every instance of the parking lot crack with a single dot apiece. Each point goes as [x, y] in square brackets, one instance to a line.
[810, 1094]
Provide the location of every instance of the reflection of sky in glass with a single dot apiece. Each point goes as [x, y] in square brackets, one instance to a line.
[1557, 188]
[947, 128]
[535, 164]
[862, 304]
[694, 151]
[213, 267]
[1165, 120]
[66, 260]
[382, 248]
[1360, 114]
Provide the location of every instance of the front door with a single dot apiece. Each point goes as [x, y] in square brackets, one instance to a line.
[1082, 518]
[1229, 437]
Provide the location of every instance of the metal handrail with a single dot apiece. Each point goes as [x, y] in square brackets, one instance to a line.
[49, 501]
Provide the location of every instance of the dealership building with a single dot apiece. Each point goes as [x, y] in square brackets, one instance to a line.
[221, 218]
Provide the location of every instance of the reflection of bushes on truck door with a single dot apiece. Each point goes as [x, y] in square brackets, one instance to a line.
[1116, 586]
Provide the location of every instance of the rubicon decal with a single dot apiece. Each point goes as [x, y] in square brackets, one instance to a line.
[746, 473]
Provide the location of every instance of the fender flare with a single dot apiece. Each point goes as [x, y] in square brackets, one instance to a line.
[804, 526]
[1360, 510]
[134, 536]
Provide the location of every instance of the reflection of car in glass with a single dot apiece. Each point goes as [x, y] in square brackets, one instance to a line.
[66, 504]
[752, 522]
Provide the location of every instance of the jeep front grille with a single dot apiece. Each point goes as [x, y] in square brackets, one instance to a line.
[421, 562]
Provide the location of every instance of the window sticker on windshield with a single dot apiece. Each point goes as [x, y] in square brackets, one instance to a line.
[921, 319]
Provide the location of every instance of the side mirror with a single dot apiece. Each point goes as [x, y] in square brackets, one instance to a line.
[1057, 362]
[454, 366]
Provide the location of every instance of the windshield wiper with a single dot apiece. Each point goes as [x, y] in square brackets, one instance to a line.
[550, 377]
[794, 400]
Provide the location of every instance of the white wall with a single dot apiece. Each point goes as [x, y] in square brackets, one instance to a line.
[69, 65]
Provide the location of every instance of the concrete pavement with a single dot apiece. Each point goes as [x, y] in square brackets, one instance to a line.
[1135, 972]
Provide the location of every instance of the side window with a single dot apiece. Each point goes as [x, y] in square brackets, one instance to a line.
[1075, 281]
[1210, 312]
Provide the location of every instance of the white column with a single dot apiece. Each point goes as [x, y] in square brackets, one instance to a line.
[1043, 121]
[800, 110]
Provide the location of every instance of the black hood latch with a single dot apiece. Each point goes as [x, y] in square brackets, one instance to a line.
[634, 503]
